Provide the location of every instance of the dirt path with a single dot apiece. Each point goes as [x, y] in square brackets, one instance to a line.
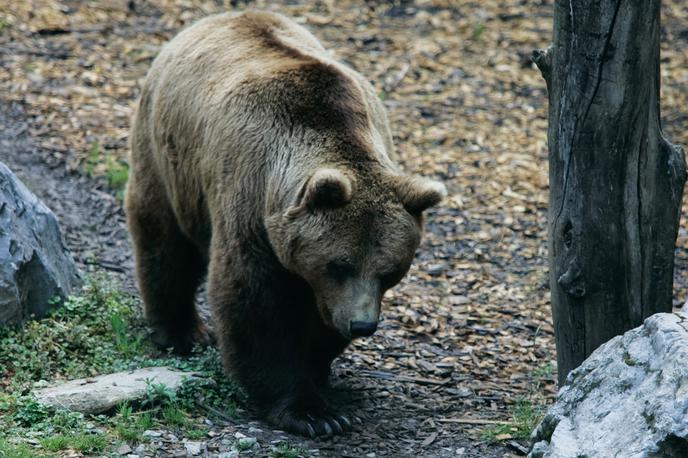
[399, 413]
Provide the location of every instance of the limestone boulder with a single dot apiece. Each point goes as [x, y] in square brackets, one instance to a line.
[628, 399]
[37, 271]
[103, 393]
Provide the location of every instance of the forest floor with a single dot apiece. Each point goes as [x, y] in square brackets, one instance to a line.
[464, 361]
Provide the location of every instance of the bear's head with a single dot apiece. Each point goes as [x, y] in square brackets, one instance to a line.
[352, 238]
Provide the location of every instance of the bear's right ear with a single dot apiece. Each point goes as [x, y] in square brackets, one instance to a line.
[326, 188]
[418, 194]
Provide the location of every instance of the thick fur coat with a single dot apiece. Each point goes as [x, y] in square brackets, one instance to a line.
[263, 163]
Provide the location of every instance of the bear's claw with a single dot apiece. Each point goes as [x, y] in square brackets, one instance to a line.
[346, 424]
[314, 426]
[335, 424]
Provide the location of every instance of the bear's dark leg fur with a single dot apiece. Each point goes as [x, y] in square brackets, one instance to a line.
[266, 341]
[325, 345]
[169, 269]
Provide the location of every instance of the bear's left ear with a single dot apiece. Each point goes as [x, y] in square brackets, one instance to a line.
[326, 188]
[418, 194]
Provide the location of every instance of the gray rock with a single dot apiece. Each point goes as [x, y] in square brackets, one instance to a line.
[123, 449]
[229, 454]
[629, 398]
[194, 448]
[247, 442]
[103, 393]
[36, 269]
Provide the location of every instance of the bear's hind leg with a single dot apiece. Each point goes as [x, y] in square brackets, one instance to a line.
[169, 270]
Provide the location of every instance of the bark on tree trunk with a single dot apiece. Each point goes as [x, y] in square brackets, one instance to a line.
[616, 183]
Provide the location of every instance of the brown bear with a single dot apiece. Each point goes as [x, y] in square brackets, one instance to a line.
[261, 161]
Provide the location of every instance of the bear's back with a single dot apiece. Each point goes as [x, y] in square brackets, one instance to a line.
[219, 55]
[252, 43]
[229, 77]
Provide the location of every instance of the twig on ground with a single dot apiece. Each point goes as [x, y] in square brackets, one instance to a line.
[219, 413]
[402, 378]
[112, 267]
[472, 421]
[520, 449]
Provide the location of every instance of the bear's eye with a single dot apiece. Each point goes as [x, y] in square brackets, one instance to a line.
[340, 270]
[391, 278]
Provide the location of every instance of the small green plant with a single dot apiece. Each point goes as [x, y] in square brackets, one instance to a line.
[4, 25]
[116, 170]
[144, 421]
[89, 443]
[66, 420]
[129, 425]
[286, 451]
[174, 416]
[55, 443]
[158, 394]
[8, 450]
[117, 174]
[478, 30]
[244, 444]
[628, 359]
[29, 412]
[527, 412]
[125, 411]
[525, 415]
[129, 346]
[495, 433]
[547, 370]
[93, 159]
[128, 432]
[125, 425]
[197, 433]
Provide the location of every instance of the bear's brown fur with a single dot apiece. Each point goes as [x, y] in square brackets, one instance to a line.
[260, 160]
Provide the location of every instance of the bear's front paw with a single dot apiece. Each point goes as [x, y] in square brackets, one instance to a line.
[311, 424]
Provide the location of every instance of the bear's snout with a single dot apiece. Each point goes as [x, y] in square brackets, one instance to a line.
[362, 328]
[353, 308]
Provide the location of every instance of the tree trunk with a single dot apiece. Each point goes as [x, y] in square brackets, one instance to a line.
[616, 183]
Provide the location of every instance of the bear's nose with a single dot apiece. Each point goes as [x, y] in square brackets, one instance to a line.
[363, 328]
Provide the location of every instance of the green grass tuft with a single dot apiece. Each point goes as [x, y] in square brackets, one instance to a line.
[8, 450]
[115, 170]
[117, 174]
[478, 31]
[525, 416]
[4, 25]
[527, 412]
[93, 159]
[286, 451]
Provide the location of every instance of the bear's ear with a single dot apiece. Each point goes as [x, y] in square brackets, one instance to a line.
[326, 188]
[418, 194]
